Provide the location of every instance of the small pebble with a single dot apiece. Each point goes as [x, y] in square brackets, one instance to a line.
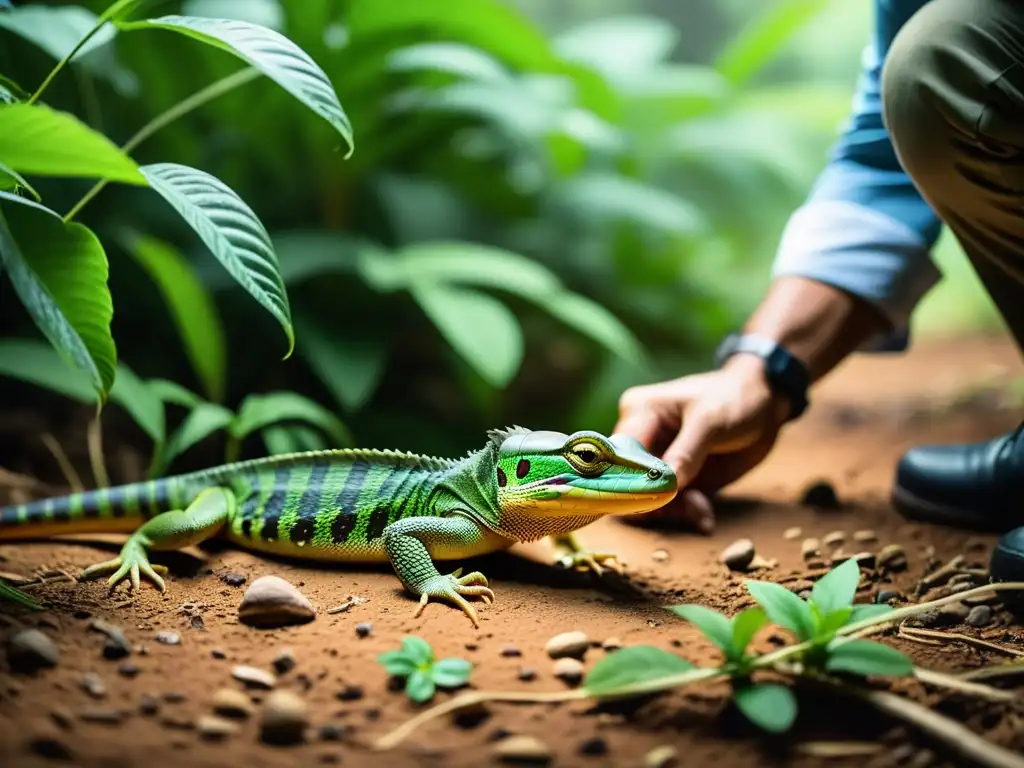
[892, 557]
[283, 719]
[217, 653]
[522, 749]
[284, 662]
[662, 757]
[62, 718]
[833, 539]
[104, 716]
[792, 533]
[526, 674]
[148, 704]
[568, 644]
[212, 727]
[509, 651]
[332, 732]
[254, 677]
[233, 579]
[659, 555]
[351, 692]
[116, 647]
[738, 555]
[594, 746]
[168, 637]
[611, 644]
[364, 629]
[270, 601]
[128, 669]
[229, 702]
[979, 616]
[887, 596]
[31, 650]
[174, 697]
[810, 548]
[864, 536]
[569, 670]
[93, 685]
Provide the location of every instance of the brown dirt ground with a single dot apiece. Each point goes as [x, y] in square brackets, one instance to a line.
[861, 420]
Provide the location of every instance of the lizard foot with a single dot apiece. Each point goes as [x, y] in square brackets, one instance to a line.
[131, 563]
[452, 587]
[582, 560]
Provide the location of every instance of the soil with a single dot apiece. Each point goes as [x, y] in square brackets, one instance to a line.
[862, 418]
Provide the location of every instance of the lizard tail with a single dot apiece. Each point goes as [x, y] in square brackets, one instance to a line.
[120, 509]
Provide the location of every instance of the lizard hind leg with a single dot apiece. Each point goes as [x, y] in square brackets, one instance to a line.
[175, 529]
[570, 554]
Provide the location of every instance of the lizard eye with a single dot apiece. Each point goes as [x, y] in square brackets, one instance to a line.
[586, 453]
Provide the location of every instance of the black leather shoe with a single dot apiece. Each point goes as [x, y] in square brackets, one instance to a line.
[978, 486]
[1007, 564]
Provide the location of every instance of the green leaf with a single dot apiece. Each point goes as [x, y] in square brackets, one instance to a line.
[203, 420]
[784, 608]
[36, 362]
[349, 366]
[191, 308]
[292, 438]
[868, 611]
[619, 44]
[259, 411]
[621, 669]
[837, 588]
[417, 649]
[481, 329]
[36, 139]
[419, 686]
[715, 626]
[59, 272]
[143, 404]
[745, 625]
[866, 657]
[451, 58]
[7, 592]
[451, 673]
[12, 180]
[769, 706]
[830, 622]
[397, 663]
[232, 232]
[270, 52]
[172, 392]
[757, 45]
[593, 321]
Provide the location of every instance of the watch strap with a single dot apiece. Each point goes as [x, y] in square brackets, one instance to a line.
[786, 374]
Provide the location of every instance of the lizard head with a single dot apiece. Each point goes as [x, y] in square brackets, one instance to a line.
[583, 473]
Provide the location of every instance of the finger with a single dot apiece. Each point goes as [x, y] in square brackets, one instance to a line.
[687, 452]
[643, 425]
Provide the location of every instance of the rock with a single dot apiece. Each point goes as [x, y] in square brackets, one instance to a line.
[790, 534]
[284, 718]
[810, 548]
[364, 629]
[174, 697]
[148, 705]
[662, 757]
[233, 579]
[104, 716]
[820, 495]
[833, 539]
[332, 732]
[270, 601]
[522, 749]
[659, 555]
[526, 674]
[946, 615]
[217, 653]
[253, 677]
[594, 746]
[864, 536]
[30, 650]
[62, 718]
[611, 644]
[887, 596]
[568, 669]
[568, 644]
[738, 555]
[93, 685]
[979, 616]
[351, 692]
[509, 651]
[213, 728]
[168, 637]
[127, 669]
[892, 557]
[284, 662]
[116, 645]
[229, 702]
[865, 559]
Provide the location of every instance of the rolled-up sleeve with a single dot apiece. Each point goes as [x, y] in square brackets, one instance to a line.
[864, 228]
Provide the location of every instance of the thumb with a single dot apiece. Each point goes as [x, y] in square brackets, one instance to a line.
[688, 451]
[643, 425]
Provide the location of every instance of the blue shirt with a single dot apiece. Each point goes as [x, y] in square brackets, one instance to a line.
[864, 228]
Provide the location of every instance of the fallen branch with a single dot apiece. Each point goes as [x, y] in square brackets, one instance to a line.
[940, 635]
[837, 748]
[1005, 669]
[958, 683]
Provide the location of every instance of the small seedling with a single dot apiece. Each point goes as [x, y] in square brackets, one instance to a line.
[423, 674]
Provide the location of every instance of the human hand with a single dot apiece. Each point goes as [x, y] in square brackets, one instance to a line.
[711, 428]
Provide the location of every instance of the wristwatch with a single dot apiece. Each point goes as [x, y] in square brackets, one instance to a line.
[786, 374]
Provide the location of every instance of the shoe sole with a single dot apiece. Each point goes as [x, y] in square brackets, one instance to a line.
[915, 508]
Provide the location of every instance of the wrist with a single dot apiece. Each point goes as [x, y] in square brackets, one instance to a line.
[750, 369]
[761, 359]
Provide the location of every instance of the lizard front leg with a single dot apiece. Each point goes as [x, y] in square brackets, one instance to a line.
[169, 530]
[409, 544]
[570, 554]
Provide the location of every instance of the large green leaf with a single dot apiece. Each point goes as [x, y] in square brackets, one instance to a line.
[202, 421]
[259, 411]
[37, 363]
[143, 403]
[191, 308]
[59, 272]
[481, 329]
[758, 44]
[451, 58]
[232, 232]
[349, 365]
[592, 320]
[36, 139]
[270, 52]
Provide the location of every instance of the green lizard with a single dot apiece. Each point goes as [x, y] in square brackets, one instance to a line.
[373, 506]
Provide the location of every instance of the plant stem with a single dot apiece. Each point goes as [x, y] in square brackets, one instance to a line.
[182, 108]
[99, 468]
[63, 62]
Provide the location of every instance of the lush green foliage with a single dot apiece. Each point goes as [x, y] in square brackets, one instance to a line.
[422, 672]
[815, 622]
[472, 223]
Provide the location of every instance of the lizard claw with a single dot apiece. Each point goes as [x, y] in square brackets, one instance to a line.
[132, 564]
[452, 588]
[591, 561]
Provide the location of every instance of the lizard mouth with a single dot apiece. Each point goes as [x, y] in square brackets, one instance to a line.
[613, 495]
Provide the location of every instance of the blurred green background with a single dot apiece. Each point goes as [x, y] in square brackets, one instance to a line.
[629, 165]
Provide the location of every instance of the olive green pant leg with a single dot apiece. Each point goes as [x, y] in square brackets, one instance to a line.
[953, 101]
